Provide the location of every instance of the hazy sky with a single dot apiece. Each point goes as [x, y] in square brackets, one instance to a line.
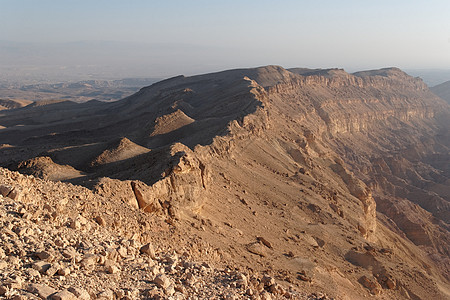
[172, 37]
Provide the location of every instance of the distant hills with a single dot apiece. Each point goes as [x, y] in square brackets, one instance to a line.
[79, 91]
[442, 90]
[431, 77]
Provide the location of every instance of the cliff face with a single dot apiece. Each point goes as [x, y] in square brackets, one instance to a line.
[383, 127]
[340, 180]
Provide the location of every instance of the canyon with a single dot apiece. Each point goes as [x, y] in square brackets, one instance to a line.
[314, 183]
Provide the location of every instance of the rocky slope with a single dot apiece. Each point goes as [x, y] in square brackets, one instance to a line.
[104, 249]
[12, 104]
[326, 181]
[442, 90]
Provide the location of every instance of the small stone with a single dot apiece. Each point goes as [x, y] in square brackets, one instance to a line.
[390, 283]
[371, 284]
[276, 289]
[100, 221]
[64, 271]
[52, 270]
[266, 296]
[60, 243]
[41, 266]
[112, 254]
[14, 283]
[242, 281]
[170, 290]
[89, 260]
[44, 255]
[290, 254]
[75, 224]
[112, 269]
[80, 293]
[3, 264]
[15, 194]
[63, 295]
[304, 275]
[33, 273]
[13, 260]
[267, 281]
[320, 242]
[162, 281]
[107, 295]
[257, 248]
[148, 250]
[122, 251]
[41, 290]
[264, 242]
[69, 252]
[5, 189]
[3, 290]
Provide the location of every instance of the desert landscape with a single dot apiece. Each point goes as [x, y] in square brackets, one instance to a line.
[258, 183]
[209, 150]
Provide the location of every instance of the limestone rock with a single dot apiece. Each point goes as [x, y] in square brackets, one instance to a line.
[63, 295]
[257, 248]
[148, 250]
[264, 241]
[371, 284]
[41, 266]
[41, 290]
[80, 293]
[162, 281]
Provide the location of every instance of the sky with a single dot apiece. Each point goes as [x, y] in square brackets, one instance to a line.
[163, 38]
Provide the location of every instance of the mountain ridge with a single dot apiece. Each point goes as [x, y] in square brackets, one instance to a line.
[349, 162]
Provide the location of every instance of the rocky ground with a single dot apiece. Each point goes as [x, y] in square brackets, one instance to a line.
[50, 250]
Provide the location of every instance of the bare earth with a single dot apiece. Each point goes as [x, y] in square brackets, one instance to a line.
[259, 183]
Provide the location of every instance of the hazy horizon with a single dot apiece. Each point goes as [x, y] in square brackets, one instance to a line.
[112, 39]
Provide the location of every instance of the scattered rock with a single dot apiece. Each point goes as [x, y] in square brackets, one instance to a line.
[106, 295]
[5, 189]
[41, 290]
[148, 250]
[80, 293]
[257, 248]
[162, 281]
[41, 266]
[112, 269]
[69, 252]
[63, 295]
[371, 284]
[3, 290]
[264, 242]
[100, 220]
[89, 260]
[44, 255]
[304, 275]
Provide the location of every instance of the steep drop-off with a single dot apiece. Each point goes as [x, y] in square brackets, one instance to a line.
[328, 181]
